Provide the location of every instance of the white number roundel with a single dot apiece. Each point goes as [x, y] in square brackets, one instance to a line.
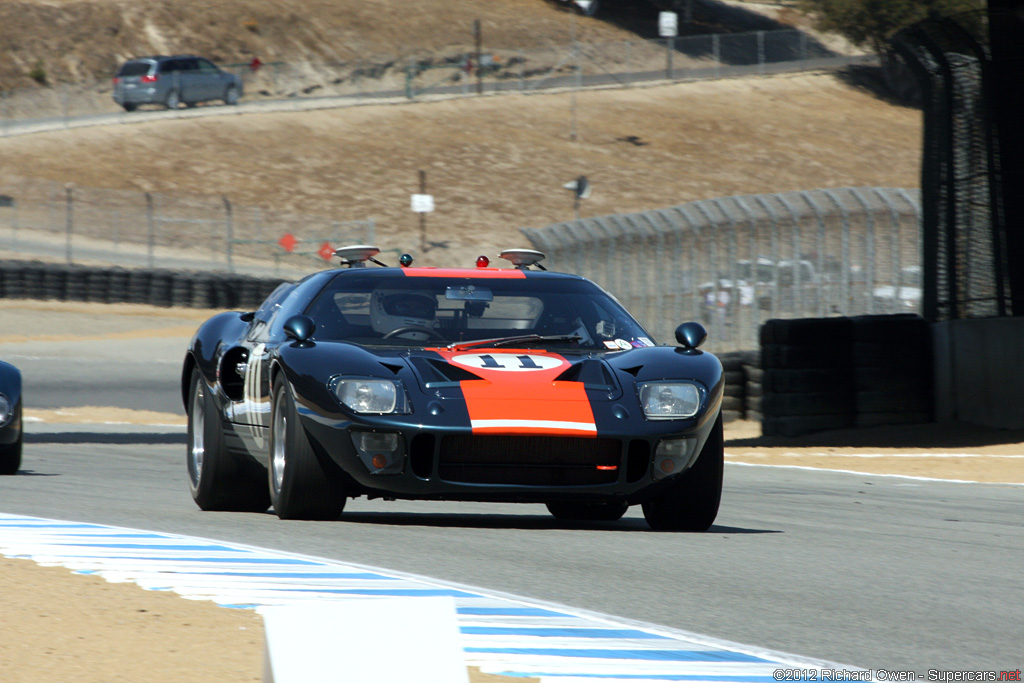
[510, 362]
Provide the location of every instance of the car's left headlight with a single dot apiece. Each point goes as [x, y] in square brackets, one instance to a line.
[669, 400]
[371, 395]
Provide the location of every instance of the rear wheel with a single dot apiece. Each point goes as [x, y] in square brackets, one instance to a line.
[299, 486]
[173, 100]
[130, 107]
[691, 502]
[215, 479]
[587, 512]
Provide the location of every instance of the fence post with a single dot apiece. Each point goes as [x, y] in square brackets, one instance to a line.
[68, 222]
[229, 237]
[151, 236]
[716, 51]
[760, 52]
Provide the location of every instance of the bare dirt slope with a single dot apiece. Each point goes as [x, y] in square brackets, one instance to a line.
[498, 163]
[45, 43]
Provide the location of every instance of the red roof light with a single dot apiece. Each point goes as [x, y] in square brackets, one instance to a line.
[482, 261]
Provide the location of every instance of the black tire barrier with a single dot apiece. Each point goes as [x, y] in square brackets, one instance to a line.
[805, 424]
[731, 415]
[901, 328]
[803, 380]
[807, 331]
[818, 403]
[835, 373]
[804, 356]
[866, 420]
[735, 403]
[165, 288]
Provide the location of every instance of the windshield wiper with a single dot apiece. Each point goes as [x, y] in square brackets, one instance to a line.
[505, 341]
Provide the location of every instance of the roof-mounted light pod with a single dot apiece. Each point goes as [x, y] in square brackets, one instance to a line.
[482, 261]
[357, 255]
[523, 258]
[405, 260]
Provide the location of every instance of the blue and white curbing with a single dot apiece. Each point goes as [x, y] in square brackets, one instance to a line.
[501, 634]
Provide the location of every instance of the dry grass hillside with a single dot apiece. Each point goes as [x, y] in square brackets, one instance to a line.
[71, 41]
[494, 163]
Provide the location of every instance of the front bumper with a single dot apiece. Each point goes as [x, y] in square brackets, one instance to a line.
[453, 463]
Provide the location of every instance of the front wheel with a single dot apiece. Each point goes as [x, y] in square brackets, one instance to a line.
[10, 453]
[691, 501]
[215, 479]
[231, 95]
[130, 107]
[173, 100]
[300, 488]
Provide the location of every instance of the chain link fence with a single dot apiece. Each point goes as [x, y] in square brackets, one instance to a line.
[966, 237]
[732, 263]
[494, 69]
[86, 225]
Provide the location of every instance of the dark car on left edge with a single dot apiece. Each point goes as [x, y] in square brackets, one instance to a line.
[10, 418]
[470, 384]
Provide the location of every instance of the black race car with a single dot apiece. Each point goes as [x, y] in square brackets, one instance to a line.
[10, 419]
[478, 384]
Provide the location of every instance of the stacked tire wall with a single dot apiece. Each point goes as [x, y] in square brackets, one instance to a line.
[61, 282]
[808, 376]
[836, 373]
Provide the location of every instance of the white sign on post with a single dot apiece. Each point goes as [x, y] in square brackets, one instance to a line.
[668, 24]
[422, 203]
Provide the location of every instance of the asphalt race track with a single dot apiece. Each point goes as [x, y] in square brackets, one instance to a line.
[873, 572]
[869, 571]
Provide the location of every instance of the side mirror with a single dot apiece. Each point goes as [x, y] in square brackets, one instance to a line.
[299, 327]
[691, 335]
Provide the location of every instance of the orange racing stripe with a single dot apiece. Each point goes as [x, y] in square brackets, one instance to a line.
[518, 394]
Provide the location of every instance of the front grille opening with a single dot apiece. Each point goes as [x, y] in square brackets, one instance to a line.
[421, 455]
[638, 460]
[529, 460]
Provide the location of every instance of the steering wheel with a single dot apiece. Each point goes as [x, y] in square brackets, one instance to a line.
[431, 334]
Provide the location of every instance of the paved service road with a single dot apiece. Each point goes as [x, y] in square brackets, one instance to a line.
[869, 571]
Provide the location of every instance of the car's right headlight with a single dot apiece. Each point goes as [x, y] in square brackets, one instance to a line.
[669, 400]
[370, 395]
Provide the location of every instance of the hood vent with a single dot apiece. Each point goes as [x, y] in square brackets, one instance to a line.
[592, 373]
[437, 373]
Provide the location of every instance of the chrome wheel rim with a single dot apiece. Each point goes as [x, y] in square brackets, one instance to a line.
[198, 446]
[277, 457]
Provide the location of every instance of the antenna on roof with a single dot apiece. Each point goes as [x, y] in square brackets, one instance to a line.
[357, 255]
[523, 258]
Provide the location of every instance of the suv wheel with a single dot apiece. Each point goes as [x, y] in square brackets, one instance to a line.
[231, 95]
[173, 101]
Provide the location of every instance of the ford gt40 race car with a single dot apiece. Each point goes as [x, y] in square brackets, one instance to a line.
[10, 419]
[475, 384]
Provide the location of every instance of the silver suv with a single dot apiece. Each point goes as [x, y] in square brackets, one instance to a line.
[173, 81]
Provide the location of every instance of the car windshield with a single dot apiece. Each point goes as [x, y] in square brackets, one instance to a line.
[440, 311]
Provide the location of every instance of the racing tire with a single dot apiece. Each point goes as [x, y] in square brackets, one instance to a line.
[691, 501]
[10, 453]
[299, 486]
[214, 477]
[587, 512]
[173, 100]
[231, 96]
